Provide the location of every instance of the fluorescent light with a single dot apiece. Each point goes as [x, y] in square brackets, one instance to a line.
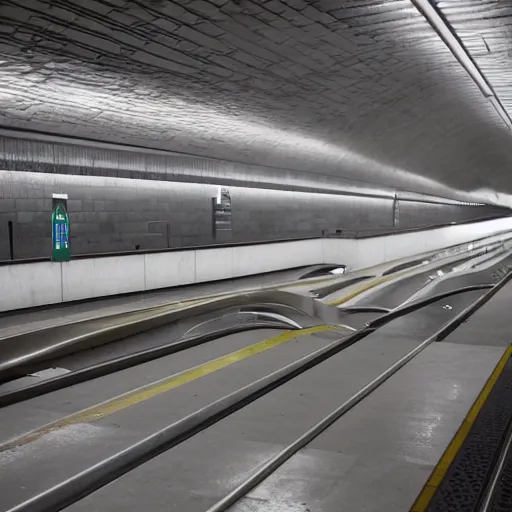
[438, 23]
[60, 196]
[432, 16]
[501, 112]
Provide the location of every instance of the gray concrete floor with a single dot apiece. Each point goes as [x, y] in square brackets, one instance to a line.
[30, 414]
[195, 474]
[490, 325]
[395, 293]
[387, 293]
[40, 464]
[376, 457]
[379, 455]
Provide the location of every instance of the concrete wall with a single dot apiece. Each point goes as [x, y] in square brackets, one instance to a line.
[114, 214]
[34, 284]
[415, 214]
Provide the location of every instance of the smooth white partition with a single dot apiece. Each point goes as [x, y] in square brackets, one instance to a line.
[373, 251]
[29, 285]
[35, 284]
[257, 259]
[214, 264]
[340, 251]
[100, 277]
[166, 269]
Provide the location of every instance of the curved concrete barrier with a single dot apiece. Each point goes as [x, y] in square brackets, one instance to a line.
[36, 284]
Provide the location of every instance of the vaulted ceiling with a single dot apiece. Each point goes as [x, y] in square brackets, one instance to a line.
[362, 90]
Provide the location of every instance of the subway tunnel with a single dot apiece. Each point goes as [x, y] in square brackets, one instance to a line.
[268, 243]
[364, 101]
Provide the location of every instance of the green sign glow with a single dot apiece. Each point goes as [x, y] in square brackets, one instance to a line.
[61, 250]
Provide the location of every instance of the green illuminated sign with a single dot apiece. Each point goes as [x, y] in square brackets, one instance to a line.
[61, 250]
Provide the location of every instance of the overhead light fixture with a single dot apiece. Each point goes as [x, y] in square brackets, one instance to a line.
[439, 25]
[501, 112]
[431, 14]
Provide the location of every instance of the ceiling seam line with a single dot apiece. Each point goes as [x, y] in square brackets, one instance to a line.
[449, 37]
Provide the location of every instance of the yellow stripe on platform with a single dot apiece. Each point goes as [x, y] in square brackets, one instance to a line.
[144, 393]
[359, 290]
[430, 488]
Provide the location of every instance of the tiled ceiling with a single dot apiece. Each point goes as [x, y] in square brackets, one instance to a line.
[363, 90]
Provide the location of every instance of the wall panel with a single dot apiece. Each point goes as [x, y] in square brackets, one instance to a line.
[30, 285]
[100, 277]
[110, 214]
[34, 284]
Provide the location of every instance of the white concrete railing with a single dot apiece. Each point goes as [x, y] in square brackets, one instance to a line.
[35, 284]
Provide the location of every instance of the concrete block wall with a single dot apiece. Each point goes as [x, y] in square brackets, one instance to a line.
[417, 214]
[274, 214]
[110, 214]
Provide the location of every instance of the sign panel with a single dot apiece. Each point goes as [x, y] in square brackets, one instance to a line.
[396, 212]
[61, 249]
[222, 215]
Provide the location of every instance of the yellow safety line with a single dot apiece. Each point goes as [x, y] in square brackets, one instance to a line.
[359, 290]
[241, 291]
[302, 282]
[428, 491]
[372, 284]
[148, 391]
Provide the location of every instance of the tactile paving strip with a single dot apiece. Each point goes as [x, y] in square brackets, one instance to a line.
[463, 485]
[502, 499]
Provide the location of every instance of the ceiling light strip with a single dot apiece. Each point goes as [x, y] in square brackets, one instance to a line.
[501, 112]
[439, 25]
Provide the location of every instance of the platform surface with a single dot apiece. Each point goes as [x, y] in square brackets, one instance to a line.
[376, 457]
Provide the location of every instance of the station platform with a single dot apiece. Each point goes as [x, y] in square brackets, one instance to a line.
[20, 321]
[407, 397]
